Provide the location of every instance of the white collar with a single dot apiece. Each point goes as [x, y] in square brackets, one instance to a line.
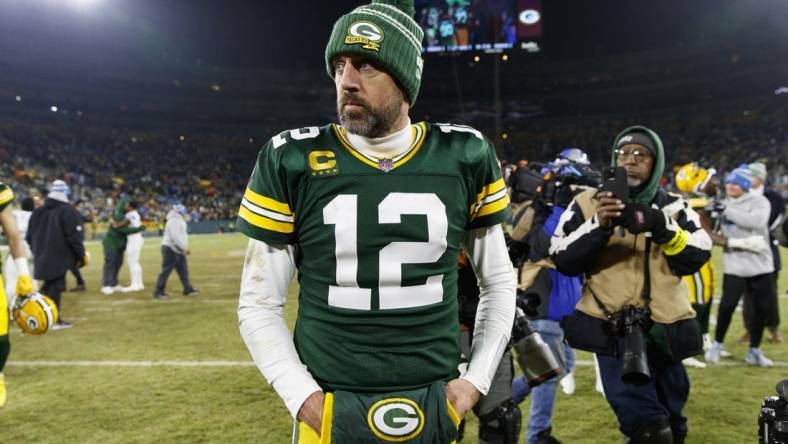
[387, 146]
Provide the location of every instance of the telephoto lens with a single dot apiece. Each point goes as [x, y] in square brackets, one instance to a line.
[634, 370]
[533, 354]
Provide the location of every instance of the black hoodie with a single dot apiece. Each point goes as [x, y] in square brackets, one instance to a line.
[55, 236]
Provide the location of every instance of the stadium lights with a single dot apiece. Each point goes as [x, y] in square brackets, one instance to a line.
[505, 57]
[83, 3]
[53, 108]
[476, 59]
[182, 138]
[18, 98]
[777, 92]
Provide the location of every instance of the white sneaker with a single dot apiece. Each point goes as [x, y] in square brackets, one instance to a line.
[117, 288]
[713, 355]
[568, 384]
[725, 353]
[707, 342]
[128, 289]
[756, 357]
[693, 362]
[107, 290]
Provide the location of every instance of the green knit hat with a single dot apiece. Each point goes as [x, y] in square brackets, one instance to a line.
[385, 33]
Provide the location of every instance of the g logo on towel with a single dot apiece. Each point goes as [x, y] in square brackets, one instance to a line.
[395, 419]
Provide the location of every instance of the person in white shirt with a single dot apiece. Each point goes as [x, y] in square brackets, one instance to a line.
[134, 243]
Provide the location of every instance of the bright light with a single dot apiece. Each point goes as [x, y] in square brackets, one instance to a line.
[53, 108]
[18, 98]
[182, 138]
[505, 57]
[476, 59]
[83, 3]
[778, 91]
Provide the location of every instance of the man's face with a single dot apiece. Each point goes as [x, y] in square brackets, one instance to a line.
[733, 190]
[638, 162]
[756, 182]
[37, 201]
[369, 102]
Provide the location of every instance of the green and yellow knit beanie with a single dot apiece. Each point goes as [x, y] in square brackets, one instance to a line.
[384, 32]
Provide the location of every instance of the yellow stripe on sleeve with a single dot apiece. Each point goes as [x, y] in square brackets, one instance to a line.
[264, 222]
[267, 202]
[493, 207]
[488, 190]
[6, 196]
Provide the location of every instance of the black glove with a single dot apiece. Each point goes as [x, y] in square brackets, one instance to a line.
[714, 208]
[639, 218]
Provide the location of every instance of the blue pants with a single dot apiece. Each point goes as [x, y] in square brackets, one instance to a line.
[173, 261]
[540, 416]
[662, 398]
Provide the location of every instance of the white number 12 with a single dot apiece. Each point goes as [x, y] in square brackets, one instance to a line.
[342, 212]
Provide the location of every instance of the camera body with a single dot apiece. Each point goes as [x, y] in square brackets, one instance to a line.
[631, 323]
[544, 182]
[773, 418]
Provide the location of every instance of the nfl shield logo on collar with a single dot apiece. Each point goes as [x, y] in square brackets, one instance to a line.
[385, 165]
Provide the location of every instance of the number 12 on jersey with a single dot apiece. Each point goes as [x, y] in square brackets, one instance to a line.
[342, 212]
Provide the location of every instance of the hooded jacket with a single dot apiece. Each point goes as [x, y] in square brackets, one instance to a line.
[613, 261]
[746, 216]
[175, 233]
[56, 239]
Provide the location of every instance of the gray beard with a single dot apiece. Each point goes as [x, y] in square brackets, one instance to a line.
[371, 122]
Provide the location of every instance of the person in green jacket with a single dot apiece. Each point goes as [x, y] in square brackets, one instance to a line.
[114, 245]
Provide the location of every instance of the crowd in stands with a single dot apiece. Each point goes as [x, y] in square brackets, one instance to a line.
[207, 173]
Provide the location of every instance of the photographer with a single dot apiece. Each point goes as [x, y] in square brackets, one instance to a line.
[550, 294]
[634, 241]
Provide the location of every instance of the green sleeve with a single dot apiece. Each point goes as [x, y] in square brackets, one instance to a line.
[266, 213]
[492, 198]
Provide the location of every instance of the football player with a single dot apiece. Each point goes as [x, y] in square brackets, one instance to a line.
[373, 213]
[699, 186]
[24, 284]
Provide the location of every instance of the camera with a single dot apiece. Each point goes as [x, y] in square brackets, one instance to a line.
[631, 323]
[533, 355]
[546, 181]
[773, 419]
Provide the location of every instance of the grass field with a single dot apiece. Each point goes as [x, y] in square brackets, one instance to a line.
[136, 370]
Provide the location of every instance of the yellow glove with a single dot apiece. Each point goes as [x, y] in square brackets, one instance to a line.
[84, 261]
[24, 285]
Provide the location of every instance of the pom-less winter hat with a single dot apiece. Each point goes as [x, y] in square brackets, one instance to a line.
[740, 176]
[384, 32]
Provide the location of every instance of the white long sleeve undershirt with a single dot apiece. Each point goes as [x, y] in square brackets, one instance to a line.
[268, 271]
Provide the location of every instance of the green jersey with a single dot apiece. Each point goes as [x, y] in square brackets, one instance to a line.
[378, 242]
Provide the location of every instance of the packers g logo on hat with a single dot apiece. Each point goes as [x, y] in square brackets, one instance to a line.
[364, 33]
[395, 419]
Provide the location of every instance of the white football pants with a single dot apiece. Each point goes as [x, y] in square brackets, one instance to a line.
[133, 250]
